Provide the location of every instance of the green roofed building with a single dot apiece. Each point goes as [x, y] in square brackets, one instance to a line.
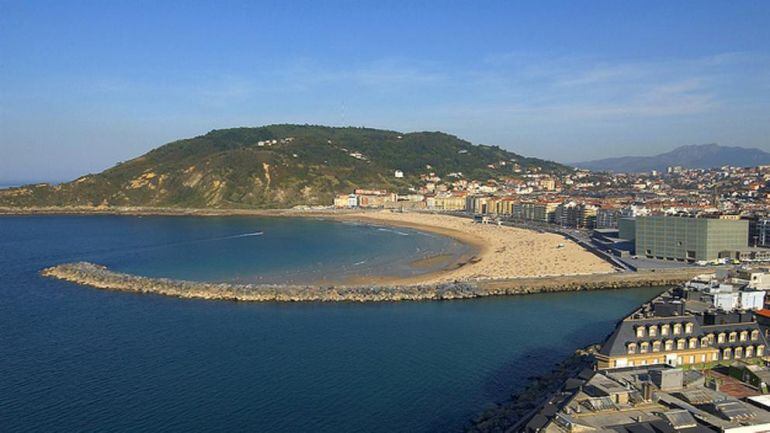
[689, 239]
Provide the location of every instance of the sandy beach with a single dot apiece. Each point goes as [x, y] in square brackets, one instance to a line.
[501, 252]
[497, 261]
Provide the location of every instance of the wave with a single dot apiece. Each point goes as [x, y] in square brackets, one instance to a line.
[383, 229]
[242, 235]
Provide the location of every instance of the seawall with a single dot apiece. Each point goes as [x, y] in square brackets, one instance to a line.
[100, 277]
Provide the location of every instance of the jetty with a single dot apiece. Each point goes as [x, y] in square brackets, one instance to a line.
[98, 276]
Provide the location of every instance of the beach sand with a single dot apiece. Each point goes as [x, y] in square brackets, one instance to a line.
[500, 252]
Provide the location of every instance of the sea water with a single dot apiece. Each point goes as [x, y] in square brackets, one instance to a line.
[79, 359]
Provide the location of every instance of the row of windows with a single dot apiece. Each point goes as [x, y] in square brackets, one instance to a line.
[727, 353]
[734, 336]
[665, 329]
[740, 352]
[692, 342]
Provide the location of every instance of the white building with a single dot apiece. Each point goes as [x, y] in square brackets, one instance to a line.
[399, 174]
[752, 300]
[758, 278]
[352, 200]
[726, 301]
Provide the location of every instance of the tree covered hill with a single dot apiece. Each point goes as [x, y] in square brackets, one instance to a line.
[276, 166]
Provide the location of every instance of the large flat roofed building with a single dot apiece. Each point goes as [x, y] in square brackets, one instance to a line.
[689, 239]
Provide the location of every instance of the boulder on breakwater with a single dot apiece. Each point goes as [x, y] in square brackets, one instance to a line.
[509, 415]
[101, 277]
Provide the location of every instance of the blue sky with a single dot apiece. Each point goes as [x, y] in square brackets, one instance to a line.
[86, 84]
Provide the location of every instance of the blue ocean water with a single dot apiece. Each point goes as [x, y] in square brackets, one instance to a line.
[76, 359]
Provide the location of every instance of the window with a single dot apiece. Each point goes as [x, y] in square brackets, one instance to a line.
[754, 335]
[733, 336]
[750, 352]
[631, 348]
[727, 353]
[738, 352]
[761, 350]
[710, 338]
[704, 342]
[656, 346]
[688, 328]
[639, 331]
[677, 328]
[693, 343]
[721, 338]
[664, 330]
[644, 347]
[681, 344]
[744, 335]
[669, 345]
[652, 331]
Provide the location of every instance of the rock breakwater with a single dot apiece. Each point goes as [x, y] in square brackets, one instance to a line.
[508, 415]
[101, 277]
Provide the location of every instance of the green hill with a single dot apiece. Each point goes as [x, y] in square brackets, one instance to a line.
[276, 166]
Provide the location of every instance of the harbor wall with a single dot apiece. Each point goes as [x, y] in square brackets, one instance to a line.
[101, 277]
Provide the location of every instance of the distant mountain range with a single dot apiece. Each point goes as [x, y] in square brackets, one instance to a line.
[277, 166]
[694, 156]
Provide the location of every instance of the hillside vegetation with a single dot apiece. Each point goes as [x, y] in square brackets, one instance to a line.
[275, 166]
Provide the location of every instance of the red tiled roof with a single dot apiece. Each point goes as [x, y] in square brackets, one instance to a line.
[763, 312]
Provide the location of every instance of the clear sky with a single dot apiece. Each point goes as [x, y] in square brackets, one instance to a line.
[86, 84]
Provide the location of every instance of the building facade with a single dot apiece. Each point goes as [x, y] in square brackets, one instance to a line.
[577, 215]
[689, 239]
[762, 233]
[532, 211]
[607, 218]
[683, 340]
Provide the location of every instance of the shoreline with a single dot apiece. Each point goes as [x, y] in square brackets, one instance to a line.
[501, 261]
[520, 406]
[494, 252]
[500, 253]
[165, 211]
[476, 248]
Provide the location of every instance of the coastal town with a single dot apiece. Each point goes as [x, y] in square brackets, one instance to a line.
[385, 216]
[648, 220]
[584, 198]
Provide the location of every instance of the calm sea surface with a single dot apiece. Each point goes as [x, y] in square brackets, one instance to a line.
[76, 359]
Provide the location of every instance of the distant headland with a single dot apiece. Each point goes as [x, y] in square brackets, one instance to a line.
[276, 166]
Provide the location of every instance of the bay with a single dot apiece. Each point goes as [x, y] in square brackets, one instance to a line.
[74, 358]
